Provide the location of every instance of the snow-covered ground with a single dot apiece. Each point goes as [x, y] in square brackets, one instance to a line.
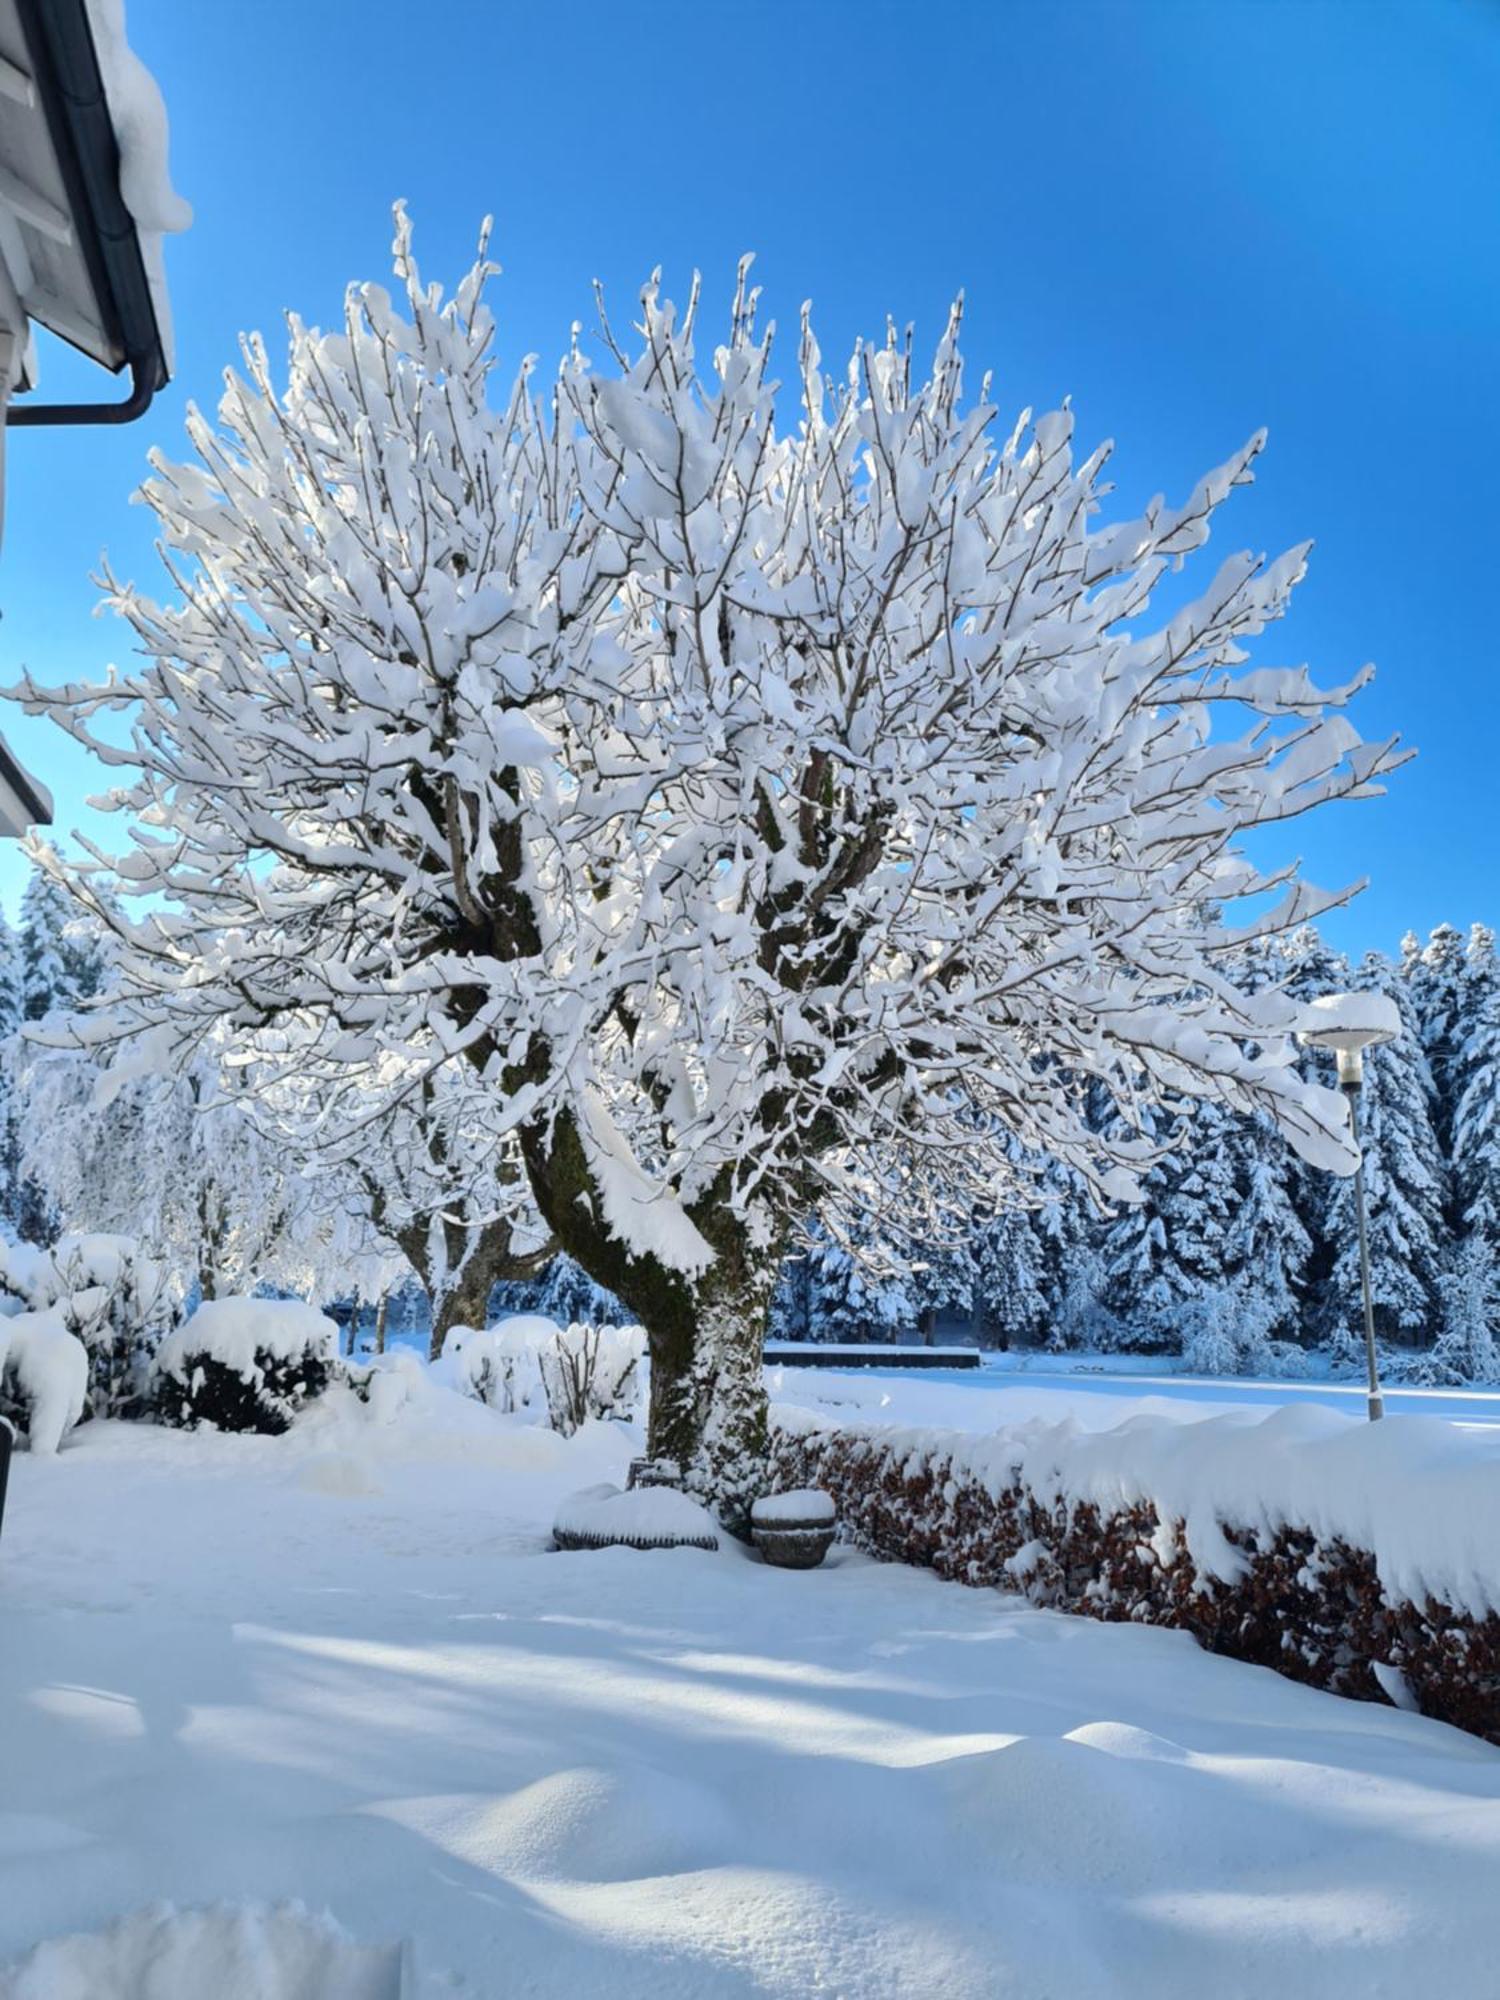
[1097, 1391]
[343, 1668]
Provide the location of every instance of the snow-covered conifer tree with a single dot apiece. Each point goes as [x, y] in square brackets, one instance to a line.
[178, 1163]
[1476, 1127]
[1267, 1248]
[1434, 979]
[1010, 1265]
[12, 1013]
[742, 795]
[62, 944]
[1467, 1348]
[1404, 1186]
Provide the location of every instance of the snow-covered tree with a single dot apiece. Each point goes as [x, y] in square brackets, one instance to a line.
[178, 1163]
[1266, 1246]
[742, 797]
[1434, 980]
[1404, 1189]
[12, 1013]
[1476, 1127]
[454, 1198]
[12, 980]
[1010, 1267]
[62, 945]
[1467, 1348]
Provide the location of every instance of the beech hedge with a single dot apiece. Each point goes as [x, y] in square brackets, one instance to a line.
[1311, 1606]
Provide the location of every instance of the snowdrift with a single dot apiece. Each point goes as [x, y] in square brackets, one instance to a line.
[1364, 1558]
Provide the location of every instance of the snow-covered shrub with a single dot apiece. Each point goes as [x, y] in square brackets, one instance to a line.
[22, 1266]
[528, 1363]
[44, 1377]
[1227, 1333]
[116, 1300]
[109, 1294]
[245, 1364]
[591, 1371]
[500, 1364]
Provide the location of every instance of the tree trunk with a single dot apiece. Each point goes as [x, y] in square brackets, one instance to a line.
[708, 1391]
[465, 1302]
[706, 1334]
[380, 1318]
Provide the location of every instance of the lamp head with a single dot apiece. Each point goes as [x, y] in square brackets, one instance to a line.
[1348, 1024]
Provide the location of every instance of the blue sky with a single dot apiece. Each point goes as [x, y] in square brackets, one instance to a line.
[1194, 218]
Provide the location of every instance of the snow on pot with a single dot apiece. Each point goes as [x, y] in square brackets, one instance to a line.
[651, 1517]
[794, 1530]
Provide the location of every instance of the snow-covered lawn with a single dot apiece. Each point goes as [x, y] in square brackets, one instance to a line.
[344, 1668]
[1096, 1391]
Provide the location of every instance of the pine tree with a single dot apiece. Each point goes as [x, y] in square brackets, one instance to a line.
[1436, 981]
[1467, 1348]
[1177, 1248]
[1267, 1248]
[62, 948]
[1404, 1187]
[1010, 1278]
[1476, 1128]
[1311, 968]
[12, 1009]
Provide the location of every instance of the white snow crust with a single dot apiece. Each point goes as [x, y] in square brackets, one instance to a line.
[807, 1504]
[648, 1513]
[214, 1954]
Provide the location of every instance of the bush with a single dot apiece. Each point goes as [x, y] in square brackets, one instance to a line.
[1306, 1601]
[109, 1295]
[529, 1364]
[44, 1377]
[500, 1364]
[245, 1364]
[591, 1371]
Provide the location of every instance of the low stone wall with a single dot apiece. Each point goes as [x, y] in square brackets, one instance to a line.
[1312, 1607]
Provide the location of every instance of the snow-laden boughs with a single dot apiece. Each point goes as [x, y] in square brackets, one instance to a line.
[179, 1162]
[740, 797]
[437, 1182]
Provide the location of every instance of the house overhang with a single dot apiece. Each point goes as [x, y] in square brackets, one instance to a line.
[72, 249]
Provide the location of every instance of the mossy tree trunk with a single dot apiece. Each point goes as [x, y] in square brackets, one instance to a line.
[705, 1333]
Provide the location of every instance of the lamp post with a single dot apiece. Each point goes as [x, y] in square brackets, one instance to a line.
[1350, 1023]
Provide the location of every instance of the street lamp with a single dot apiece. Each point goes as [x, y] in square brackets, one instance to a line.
[1350, 1023]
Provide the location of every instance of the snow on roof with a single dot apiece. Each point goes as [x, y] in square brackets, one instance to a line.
[140, 121]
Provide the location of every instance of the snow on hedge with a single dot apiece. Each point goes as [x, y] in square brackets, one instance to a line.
[243, 1333]
[1420, 1495]
[46, 1369]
